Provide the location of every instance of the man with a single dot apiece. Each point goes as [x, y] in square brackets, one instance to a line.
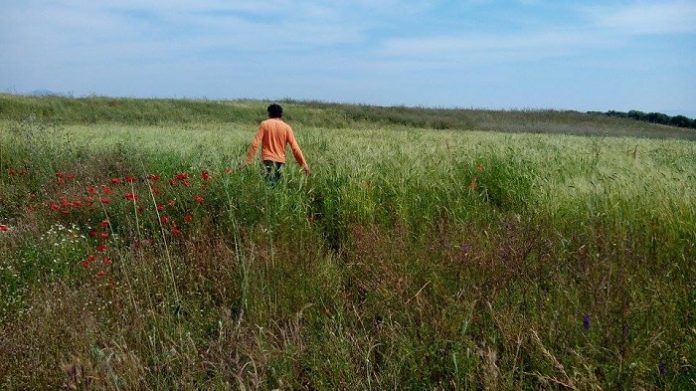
[274, 134]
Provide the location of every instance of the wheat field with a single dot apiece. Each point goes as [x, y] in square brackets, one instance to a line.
[135, 254]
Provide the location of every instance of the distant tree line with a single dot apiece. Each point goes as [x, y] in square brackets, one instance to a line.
[657, 118]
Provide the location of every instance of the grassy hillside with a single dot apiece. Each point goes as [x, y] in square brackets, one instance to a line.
[136, 255]
[63, 110]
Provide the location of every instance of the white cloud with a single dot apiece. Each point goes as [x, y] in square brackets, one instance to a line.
[108, 32]
[599, 27]
[242, 24]
[647, 18]
[508, 46]
[54, 43]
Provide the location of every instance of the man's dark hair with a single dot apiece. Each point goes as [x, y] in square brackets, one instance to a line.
[275, 111]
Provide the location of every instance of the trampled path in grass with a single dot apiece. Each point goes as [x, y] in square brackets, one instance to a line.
[413, 258]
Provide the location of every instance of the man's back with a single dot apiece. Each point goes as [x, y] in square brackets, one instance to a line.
[273, 135]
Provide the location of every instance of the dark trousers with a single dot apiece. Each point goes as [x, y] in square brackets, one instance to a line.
[272, 171]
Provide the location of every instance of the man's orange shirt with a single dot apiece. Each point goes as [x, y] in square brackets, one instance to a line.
[274, 135]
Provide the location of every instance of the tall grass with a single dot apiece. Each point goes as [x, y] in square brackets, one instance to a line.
[413, 259]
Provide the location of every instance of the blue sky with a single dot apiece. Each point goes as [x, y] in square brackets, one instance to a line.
[589, 55]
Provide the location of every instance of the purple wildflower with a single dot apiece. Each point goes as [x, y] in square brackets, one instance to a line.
[662, 367]
[586, 321]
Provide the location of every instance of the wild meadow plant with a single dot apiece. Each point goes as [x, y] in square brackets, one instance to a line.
[138, 256]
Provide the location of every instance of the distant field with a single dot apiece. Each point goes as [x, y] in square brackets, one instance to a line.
[431, 249]
[61, 110]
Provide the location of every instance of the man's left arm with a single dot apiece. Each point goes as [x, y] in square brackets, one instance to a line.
[297, 152]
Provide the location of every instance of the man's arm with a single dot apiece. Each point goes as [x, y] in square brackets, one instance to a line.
[254, 146]
[297, 152]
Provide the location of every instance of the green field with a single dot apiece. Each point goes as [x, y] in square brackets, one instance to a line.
[431, 249]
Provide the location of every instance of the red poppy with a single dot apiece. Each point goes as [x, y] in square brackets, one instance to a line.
[102, 248]
[187, 184]
[164, 219]
[91, 190]
[156, 191]
[60, 174]
[104, 235]
[160, 207]
[4, 228]
[176, 231]
[107, 261]
[104, 223]
[105, 201]
[153, 178]
[116, 181]
[205, 176]
[77, 203]
[106, 189]
[100, 274]
[130, 179]
[172, 182]
[55, 207]
[131, 196]
[188, 217]
[93, 233]
[88, 261]
[182, 176]
[70, 177]
[199, 199]
[171, 202]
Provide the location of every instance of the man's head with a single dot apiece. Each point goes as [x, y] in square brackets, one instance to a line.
[275, 111]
